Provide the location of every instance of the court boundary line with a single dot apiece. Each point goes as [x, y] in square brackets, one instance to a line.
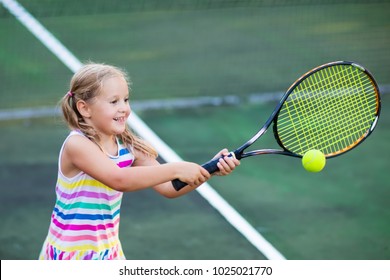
[207, 192]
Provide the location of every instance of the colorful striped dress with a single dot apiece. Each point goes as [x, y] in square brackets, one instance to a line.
[85, 220]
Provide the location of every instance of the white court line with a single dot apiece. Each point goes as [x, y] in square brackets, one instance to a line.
[224, 208]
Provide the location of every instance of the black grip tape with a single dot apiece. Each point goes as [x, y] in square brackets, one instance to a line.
[210, 166]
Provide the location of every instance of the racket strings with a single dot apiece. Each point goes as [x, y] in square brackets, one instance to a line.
[331, 110]
[333, 120]
[358, 123]
[350, 127]
[327, 122]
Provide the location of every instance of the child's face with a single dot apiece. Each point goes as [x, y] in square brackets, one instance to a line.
[110, 109]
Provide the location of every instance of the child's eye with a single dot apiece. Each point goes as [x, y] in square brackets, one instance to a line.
[114, 102]
[126, 99]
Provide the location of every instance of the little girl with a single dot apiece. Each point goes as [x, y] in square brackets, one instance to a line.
[94, 168]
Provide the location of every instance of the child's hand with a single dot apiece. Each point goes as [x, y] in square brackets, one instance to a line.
[226, 164]
[192, 174]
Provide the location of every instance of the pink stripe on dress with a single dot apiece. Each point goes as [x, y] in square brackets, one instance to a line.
[84, 227]
[87, 194]
[93, 238]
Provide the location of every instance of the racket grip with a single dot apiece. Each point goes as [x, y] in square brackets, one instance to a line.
[178, 185]
[210, 166]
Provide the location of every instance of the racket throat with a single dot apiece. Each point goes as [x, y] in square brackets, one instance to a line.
[237, 153]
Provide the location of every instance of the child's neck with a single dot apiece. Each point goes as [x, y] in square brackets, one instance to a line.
[109, 145]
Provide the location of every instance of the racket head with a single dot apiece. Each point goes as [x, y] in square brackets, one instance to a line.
[332, 108]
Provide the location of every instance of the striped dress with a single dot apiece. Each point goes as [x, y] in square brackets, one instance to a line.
[85, 220]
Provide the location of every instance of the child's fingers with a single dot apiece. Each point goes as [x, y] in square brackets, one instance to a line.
[225, 165]
[221, 153]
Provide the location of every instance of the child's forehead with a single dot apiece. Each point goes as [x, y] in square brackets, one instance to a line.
[114, 85]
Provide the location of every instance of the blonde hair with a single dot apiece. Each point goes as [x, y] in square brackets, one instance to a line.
[85, 85]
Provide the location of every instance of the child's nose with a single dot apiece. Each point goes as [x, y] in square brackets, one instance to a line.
[124, 107]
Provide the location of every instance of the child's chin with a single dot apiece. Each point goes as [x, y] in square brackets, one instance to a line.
[119, 130]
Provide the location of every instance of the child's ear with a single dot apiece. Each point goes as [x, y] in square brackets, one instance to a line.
[83, 108]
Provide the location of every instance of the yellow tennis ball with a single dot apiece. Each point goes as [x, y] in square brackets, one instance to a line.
[313, 160]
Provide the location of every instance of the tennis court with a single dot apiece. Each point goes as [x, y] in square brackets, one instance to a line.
[234, 50]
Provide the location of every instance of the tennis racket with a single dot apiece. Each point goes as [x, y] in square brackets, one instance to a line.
[332, 108]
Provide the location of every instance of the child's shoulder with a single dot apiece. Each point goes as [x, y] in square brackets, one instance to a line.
[75, 139]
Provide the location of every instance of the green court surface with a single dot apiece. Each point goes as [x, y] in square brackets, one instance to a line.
[196, 50]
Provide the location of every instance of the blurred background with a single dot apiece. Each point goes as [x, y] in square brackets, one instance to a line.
[220, 60]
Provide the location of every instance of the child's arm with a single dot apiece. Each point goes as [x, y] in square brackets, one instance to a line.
[80, 154]
[226, 166]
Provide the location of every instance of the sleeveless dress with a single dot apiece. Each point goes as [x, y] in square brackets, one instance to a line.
[85, 221]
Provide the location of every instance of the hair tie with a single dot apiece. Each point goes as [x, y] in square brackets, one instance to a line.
[70, 94]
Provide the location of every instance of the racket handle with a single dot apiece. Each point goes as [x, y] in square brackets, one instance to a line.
[178, 185]
[210, 166]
